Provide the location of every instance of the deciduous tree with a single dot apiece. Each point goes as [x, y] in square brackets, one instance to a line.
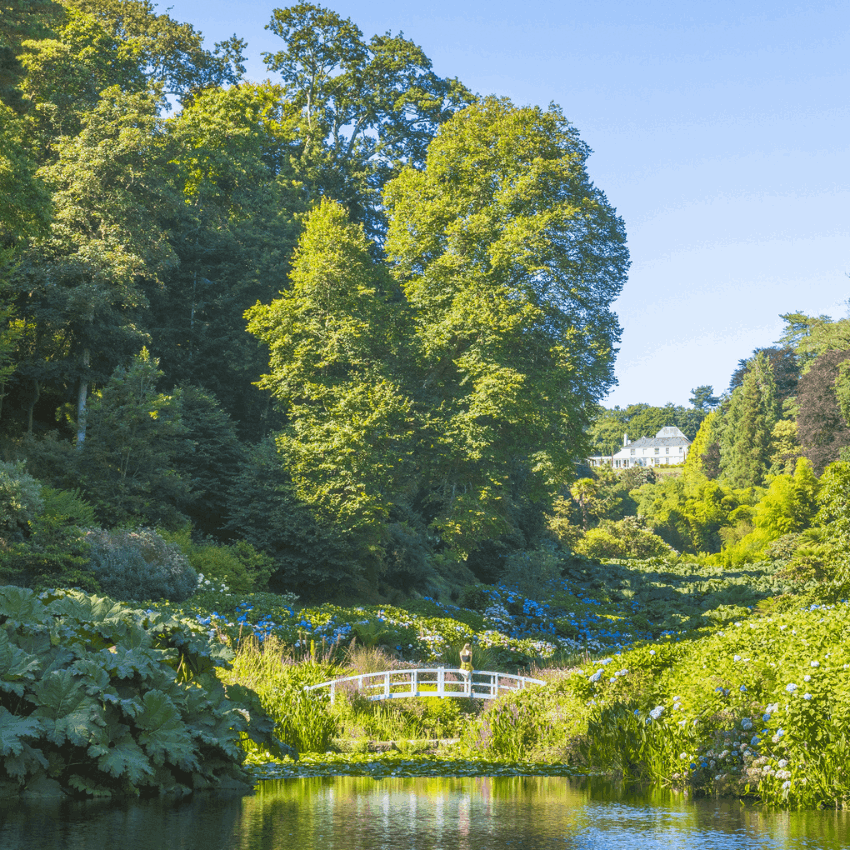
[510, 259]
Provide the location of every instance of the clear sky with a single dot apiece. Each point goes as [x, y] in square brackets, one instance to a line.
[720, 131]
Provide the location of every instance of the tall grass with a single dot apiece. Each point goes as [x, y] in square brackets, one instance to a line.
[303, 719]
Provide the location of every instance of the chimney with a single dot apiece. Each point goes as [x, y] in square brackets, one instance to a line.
[625, 439]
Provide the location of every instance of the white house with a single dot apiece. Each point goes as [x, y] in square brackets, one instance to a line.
[668, 446]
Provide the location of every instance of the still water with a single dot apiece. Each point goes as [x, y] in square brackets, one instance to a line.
[357, 813]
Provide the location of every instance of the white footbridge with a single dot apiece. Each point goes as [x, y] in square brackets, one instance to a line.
[428, 682]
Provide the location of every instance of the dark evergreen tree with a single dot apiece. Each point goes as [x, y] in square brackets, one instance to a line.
[745, 443]
[786, 371]
[210, 461]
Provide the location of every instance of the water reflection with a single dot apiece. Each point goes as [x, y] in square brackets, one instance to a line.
[356, 813]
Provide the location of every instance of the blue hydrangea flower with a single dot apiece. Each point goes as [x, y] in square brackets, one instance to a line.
[791, 687]
[656, 712]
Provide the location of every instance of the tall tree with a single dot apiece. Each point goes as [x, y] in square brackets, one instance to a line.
[20, 21]
[703, 398]
[80, 300]
[745, 443]
[821, 428]
[811, 336]
[127, 465]
[169, 53]
[335, 340]
[785, 365]
[366, 108]
[510, 259]
[233, 233]
[700, 457]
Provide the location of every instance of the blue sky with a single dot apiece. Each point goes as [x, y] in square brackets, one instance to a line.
[720, 131]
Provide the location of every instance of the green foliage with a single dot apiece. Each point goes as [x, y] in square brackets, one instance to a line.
[625, 538]
[239, 567]
[691, 513]
[303, 720]
[20, 501]
[756, 708]
[210, 459]
[107, 700]
[822, 430]
[24, 201]
[128, 458]
[43, 543]
[364, 108]
[265, 510]
[745, 442]
[140, 565]
[707, 436]
[510, 362]
[333, 338]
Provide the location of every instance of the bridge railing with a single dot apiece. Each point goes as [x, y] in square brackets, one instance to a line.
[428, 682]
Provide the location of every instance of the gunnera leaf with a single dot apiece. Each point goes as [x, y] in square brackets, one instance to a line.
[125, 758]
[17, 667]
[164, 736]
[75, 715]
[20, 606]
[13, 731]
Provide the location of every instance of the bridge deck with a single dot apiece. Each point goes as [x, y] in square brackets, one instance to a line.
[428, 682]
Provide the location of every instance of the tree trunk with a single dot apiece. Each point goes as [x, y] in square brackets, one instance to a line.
[82, 395]
[35, 395]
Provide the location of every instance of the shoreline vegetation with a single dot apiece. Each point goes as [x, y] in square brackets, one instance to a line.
[749, 700]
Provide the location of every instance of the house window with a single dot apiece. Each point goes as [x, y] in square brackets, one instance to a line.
[657, 450]
[632, 451]
[667, 450]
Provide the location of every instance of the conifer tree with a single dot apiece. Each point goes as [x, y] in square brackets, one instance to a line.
[745, 444]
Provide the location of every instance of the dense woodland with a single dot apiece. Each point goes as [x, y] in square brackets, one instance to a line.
[345, 330]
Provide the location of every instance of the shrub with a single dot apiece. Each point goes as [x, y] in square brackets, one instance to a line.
[239, 566]
[532, 571]
[625, 538]
[140, 565]
[99, 699]
[20, 501]
[54, 552]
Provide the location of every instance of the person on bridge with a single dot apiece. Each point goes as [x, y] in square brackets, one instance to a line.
[466, 665]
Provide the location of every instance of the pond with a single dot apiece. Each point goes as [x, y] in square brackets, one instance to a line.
[361, 813]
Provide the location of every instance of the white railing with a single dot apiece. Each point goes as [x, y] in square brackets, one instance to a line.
[429, 682]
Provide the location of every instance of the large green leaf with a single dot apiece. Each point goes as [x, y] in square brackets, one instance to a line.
[91, 673]
[75, 715]
[17, 667]
[164, 734]
[14, 729]
[124, 663]
[20, 606]
[125, 758]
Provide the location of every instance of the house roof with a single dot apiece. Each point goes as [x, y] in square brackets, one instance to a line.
[667, 436]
